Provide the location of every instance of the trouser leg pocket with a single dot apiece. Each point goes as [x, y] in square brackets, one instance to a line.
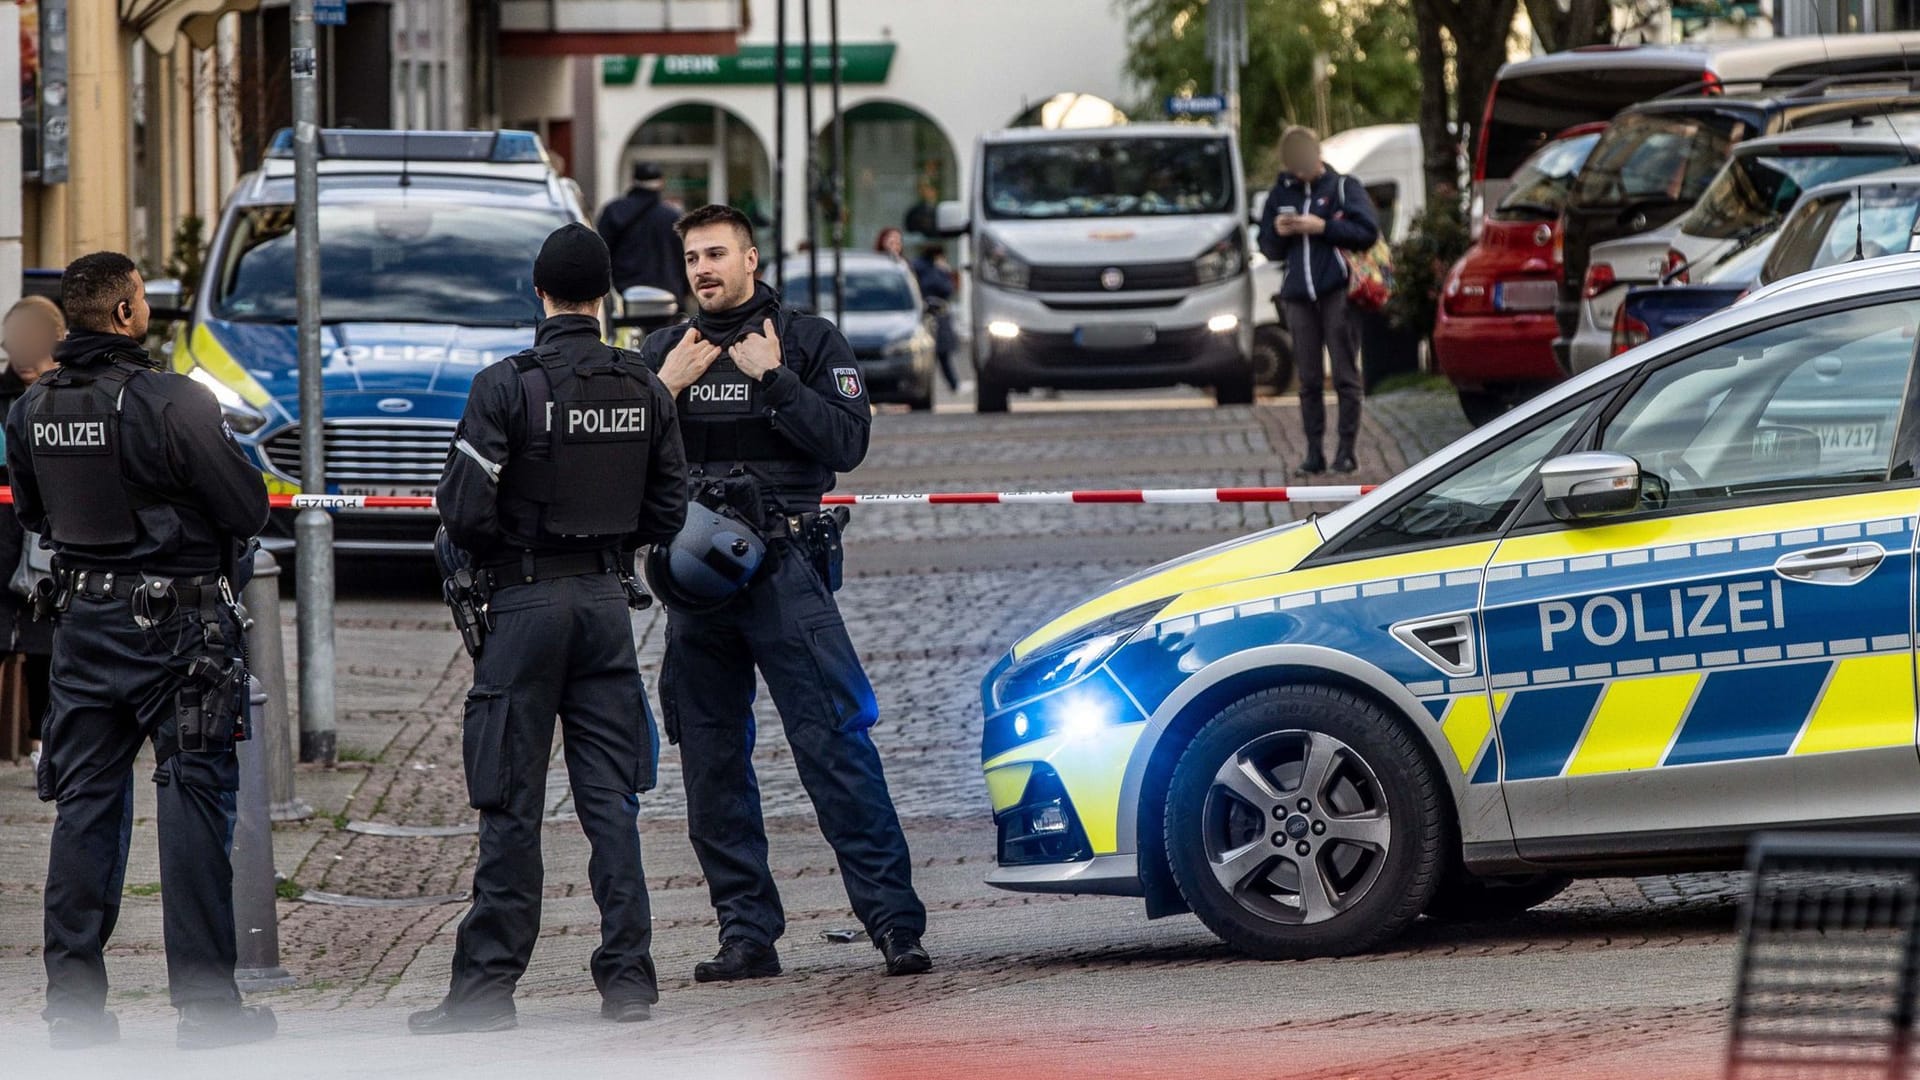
[484, 748]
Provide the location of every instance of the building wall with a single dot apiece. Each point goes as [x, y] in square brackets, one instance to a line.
[10, 219]
[958, 64]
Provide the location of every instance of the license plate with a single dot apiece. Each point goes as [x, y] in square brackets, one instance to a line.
[1115, 336]
[1524, 295]
[387, 490]
[1841, 437]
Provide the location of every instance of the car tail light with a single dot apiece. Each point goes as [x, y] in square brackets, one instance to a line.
[1467, 297]
[1628, 331]
[1674, 272]
[1599, 279]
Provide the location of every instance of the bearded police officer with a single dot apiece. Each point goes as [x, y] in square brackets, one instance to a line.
[568, 458]
[147, 502]
[772, 406]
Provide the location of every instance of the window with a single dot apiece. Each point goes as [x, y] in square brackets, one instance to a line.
[1795, 409]
[1756, 190]
[1655, 157]
[1475, 501]
[1877, 222]
[1540, 187]
[1109, 177]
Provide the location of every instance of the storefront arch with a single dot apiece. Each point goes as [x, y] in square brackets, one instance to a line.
[708, 153]
[900, 163]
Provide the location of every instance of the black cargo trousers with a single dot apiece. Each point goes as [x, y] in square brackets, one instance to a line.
[788, 624]
[561, 647]
[114, 685]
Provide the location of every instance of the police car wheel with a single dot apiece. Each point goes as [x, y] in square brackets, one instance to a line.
[1462, 897]
[1304, 821]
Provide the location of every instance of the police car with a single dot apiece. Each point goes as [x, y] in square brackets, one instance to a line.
[1666, 605]
[427, 242]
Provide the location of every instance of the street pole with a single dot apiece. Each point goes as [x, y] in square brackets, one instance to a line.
[312, 528]
[780, 146]
[806, 112]
[838, 203]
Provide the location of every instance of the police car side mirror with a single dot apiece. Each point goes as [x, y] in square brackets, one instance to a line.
[1589, 485]
[167, 300]
[646, 307]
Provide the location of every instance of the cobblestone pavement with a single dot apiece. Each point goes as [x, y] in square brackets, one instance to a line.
[1614, 977]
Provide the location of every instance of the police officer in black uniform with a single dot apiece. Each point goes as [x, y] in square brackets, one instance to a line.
[771, 401]
[148, 504]
[568, 458]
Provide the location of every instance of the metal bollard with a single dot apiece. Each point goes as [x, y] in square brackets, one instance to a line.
[256, 923]
[269, 655]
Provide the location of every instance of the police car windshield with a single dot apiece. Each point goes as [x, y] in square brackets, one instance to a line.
[390, 262]
[1115, 177]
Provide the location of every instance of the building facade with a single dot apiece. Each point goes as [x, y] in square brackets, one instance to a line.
[921, 82]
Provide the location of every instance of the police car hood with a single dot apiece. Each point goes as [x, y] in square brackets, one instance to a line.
[1116, 241]
[411, 362]
[1262, 554]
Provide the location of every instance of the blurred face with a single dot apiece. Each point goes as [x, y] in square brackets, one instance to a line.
[28, 338]
[890, 243]
[720, 266]
[1301, 157]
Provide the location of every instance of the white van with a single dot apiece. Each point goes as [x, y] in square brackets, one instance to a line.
[1108, 258]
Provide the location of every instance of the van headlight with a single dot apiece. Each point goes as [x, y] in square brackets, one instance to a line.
[1221, 261]
[1072, 658]
[243, 418]
[1000, 266]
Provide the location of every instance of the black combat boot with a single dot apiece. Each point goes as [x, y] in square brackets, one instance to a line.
[80, 1032]
[1316, 462]
[905, 955]
[1343, 461]
[445, 1019]
[738, 959]
[205, 1026]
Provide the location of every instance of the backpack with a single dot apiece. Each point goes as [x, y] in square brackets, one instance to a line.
[1369, 272]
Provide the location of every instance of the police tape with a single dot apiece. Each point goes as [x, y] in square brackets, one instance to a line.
[1331, 493]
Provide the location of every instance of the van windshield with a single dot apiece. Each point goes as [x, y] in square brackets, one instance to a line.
[1656, 157]
[390, 262]
[1757, 189]
[1111, 177]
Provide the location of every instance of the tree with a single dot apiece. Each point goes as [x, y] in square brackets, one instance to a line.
[1569, 24]
[1461, 44]
[1368, 46]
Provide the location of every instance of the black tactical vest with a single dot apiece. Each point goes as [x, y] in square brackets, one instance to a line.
[722, 418]
[589, 426]
[74, 431]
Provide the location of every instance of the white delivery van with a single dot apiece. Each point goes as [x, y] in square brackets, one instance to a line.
[1108, 258]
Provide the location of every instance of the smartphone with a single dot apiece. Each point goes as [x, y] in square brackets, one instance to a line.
[1286, 211]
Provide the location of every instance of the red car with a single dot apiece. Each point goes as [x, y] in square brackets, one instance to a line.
[1494, 336]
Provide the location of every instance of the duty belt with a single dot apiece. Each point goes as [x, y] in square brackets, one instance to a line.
[529, 568]
[122, 585]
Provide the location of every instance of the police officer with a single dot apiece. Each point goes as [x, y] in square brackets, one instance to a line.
[567, 459]
[147, 502]
[772, 400]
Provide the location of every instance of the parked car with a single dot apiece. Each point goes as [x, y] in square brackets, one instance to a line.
[1837, 222]
[1661, 157]
[1108, 258]
[1620, 630]
[1533, 99]
[1387, 160]
[886, 321]
[1493, 338]
[427, 241]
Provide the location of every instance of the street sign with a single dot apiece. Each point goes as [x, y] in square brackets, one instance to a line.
[1197, 105]
[329, 12]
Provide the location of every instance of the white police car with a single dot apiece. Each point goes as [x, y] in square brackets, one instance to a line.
[1665, 605]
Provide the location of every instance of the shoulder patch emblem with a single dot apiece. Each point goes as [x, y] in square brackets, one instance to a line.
[848, 381]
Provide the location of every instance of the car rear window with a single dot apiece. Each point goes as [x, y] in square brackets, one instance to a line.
[1757, 189]
[1541, 183]
[867, 290]
[1845, 227]
[1656, 157]
[1527, 109]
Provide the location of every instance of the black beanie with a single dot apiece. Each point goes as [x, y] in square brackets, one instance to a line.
[573, 266]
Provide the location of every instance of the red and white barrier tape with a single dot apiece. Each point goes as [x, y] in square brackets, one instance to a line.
[1333, 493]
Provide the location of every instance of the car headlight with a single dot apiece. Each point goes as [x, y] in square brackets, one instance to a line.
[1072, 658]
[1221, 261]
[1000, 266]
[243, 418]
[899, 347]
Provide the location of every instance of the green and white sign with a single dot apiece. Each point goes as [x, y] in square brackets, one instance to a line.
[859, 63]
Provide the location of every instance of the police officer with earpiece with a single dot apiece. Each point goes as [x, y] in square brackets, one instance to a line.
[771, 406]
[149, 506]
[567, 460]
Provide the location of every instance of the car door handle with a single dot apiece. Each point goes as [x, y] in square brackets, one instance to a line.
[1831, 565]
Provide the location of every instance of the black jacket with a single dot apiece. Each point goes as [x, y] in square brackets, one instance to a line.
[19, 632]
[1314, 269]
[806, 401]
[495, 427]
[638, 229]
[175, 447]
